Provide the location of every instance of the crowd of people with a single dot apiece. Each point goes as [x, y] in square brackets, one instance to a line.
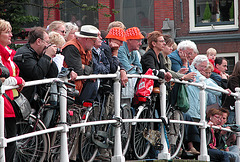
[87, 50]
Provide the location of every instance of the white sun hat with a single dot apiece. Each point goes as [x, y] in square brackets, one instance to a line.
[87, 31]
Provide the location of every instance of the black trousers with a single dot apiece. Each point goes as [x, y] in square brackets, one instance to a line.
[10, 131]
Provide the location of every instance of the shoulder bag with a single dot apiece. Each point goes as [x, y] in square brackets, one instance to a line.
[21, 106]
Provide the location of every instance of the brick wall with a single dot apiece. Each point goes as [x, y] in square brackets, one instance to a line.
[162, 10]
[103, 20]
[53, 15]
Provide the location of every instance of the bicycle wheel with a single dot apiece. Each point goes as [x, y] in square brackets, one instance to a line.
[87, 149]
[176, 133]
[73, 134]
[34, 148]
[141, 145]
[126, 128]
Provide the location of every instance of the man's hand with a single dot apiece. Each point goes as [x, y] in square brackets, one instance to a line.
[167, 76]
[224, 75]
[73, 75]
[51, 50]
[114, 47]
[124, 78]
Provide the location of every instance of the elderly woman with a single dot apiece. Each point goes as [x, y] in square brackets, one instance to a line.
[199, 65]
[70, 31]
[6, 59]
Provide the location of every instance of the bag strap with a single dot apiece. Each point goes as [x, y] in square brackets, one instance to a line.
[8, 99]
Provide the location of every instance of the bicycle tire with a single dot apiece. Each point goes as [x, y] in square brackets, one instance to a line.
[141, 146]
[126, 128]
[87, 149]
[73, 135]
[176, 134]
[34, 148]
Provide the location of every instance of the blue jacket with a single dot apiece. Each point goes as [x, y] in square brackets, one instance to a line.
[128, 59]
[177, 63]
[193, 94]
[100, 62]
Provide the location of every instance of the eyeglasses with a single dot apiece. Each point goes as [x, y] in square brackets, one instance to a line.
[139, 40]
[62, 31]
[45, 41]
[217, 116]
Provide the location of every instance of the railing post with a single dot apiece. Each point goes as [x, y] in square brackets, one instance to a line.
[203, 144]
[237, 113]
[3, 143]
[164, 154]
[63, 120]
[118, 157]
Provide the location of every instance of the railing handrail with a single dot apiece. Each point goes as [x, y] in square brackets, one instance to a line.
[100, 76]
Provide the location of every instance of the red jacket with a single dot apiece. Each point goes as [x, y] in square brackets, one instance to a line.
[14, 72]
[215, 69]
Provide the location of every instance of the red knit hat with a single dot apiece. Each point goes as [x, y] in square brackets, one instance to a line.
[133, 33]
[116, 33]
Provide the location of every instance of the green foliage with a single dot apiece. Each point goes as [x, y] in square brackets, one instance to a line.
[14, 12]
[207, 14]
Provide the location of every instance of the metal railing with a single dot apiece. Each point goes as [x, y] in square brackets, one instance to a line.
[118, 157]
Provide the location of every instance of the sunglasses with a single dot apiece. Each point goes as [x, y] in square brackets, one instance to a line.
[62, 31]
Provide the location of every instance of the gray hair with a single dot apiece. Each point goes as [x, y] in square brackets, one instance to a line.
[183, 45]
[199, 59]
[69, 27]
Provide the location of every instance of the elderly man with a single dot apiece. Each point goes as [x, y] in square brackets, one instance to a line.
[35, 62]
[129, 57]
[180, 57]
[78, 55]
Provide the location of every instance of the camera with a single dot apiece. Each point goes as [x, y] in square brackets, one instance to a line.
[59, 51]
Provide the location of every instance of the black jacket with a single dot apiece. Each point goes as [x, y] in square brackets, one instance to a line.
[149, 60]
[32, 67]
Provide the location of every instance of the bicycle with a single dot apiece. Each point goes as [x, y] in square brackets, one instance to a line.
[37, 148]
[142, 131]
[95, 139]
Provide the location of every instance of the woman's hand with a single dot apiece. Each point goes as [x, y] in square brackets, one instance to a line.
[21, 85]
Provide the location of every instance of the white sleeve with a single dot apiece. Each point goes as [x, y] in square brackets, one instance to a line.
[58, 59]
[10, 81]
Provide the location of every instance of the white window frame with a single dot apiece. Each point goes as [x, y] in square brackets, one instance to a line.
[212, 28]
[226, 55]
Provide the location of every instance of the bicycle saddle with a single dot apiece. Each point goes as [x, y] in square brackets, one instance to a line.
[156, 90]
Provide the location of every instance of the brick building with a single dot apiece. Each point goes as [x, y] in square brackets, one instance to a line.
[209, 23]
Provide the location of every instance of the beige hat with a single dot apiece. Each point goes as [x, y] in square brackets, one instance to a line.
[88, 31]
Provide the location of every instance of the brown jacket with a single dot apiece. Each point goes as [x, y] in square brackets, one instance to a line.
[75, 56]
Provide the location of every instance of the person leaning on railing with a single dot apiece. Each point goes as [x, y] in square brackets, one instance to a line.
[217, 148]
[13, 72]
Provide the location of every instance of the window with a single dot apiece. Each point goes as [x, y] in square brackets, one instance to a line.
[139, 13]
[232, 60]
[213, 15]
[34, 11]
[73, 13]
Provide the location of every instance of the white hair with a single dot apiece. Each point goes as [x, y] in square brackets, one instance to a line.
[183, 45]
[199, 59]
[69, 27]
